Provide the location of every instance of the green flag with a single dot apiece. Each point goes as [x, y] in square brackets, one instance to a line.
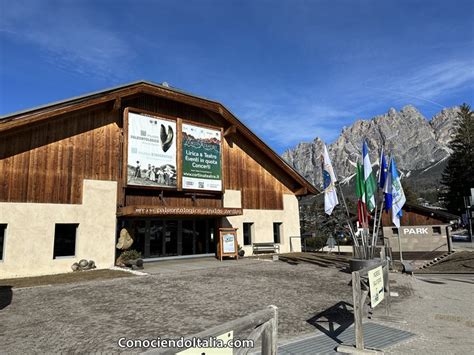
[370, 184]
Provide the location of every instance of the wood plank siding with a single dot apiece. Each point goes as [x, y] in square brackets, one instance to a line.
[47, 160]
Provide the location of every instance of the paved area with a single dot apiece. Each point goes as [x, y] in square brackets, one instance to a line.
[439, 309]
[92, 316]
[184, 265]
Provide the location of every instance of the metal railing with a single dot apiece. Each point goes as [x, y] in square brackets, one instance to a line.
[264, 325]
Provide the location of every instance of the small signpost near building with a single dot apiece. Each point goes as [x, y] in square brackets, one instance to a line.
[227, 243]
[376, 286]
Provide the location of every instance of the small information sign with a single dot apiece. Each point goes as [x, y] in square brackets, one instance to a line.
[376, 286]
[227, 243]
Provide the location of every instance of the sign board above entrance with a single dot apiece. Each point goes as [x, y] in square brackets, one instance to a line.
[201, 160]
[177, 211]
[166, 152]
[151, 155]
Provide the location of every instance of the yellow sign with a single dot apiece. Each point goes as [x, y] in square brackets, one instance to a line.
[221, 339]
[376, 286]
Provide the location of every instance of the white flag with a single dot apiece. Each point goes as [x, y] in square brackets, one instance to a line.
[398, 196]
[329, 180]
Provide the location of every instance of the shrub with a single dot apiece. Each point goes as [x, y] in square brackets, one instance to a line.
[130, 255]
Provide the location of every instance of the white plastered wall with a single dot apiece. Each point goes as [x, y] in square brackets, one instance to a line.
[29, 240]
[263, 222]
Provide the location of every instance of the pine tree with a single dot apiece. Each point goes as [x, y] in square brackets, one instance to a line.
[458, 176]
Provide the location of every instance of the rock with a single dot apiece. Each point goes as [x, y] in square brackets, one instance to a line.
[83, 263]
[139, 263]
[92, 264]
[75, 267]
[125, 240]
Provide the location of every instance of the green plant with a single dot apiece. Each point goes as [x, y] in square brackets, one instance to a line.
[130, 255]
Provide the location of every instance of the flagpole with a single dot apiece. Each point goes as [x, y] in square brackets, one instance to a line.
[374, 229]
[347, 213]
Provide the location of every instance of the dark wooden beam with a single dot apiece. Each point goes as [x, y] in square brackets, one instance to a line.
[230, 131]
[117, 104]
[301, 192]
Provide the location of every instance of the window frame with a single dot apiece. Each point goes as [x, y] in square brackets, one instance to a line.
[250, 224]
[279, 224]
[3, 226]
[55, 257]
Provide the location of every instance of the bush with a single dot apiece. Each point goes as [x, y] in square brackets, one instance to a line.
[130, 255]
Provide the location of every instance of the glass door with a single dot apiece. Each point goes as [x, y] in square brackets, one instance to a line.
[156, 233]
[170, 241]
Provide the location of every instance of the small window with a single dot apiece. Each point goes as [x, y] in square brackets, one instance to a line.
[65, 240]
[248, 233]
[3, 228]
[436, 230]
[277, 232]
[394, 231]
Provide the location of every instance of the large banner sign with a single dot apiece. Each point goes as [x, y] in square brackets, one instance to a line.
[151, 151]
[202, 167]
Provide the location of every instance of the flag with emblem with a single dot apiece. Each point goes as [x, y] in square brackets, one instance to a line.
[329, 181]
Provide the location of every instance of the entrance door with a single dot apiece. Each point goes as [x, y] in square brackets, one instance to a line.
[170, 237]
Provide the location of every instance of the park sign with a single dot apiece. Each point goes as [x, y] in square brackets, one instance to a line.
[201, 158]
[151, 153]
[376, 286]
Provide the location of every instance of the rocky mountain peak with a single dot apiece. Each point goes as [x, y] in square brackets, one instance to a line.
[415, 142]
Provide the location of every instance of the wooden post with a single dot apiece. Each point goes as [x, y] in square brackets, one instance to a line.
[356, 295]
[388, 298]
[270, 334]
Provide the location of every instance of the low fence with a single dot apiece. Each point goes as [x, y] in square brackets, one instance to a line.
[320, 243]
[263, 325]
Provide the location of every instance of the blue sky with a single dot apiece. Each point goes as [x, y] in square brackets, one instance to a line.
[290, 70]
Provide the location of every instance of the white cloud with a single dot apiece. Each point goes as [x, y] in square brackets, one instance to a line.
[292, 120]
[68, 36]
[429, 83]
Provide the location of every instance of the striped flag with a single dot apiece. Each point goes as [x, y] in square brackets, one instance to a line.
[329, 180]
[369, 180]
[360, 192]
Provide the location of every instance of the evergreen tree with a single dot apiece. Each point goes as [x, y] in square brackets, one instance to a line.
[458, 176]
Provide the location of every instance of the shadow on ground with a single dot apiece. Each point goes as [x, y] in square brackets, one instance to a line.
[334, 320]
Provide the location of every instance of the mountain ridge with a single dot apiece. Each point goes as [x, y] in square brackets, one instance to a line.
[416, 143]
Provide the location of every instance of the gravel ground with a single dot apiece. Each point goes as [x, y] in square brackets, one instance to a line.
[92, 316]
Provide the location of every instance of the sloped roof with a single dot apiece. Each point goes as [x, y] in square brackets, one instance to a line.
[115, 94]
[433, 212]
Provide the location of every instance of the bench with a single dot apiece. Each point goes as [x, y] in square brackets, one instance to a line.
[265, 247]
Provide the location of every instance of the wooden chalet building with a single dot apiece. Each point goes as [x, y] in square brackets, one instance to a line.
[171, 167]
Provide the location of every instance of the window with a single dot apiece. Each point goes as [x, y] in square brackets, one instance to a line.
[277, 232]
[394, 231]
[65, 240]
[436, 230]
[248, 233]
[3, 228]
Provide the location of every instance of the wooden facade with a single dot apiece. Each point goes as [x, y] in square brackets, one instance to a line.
[45, 154]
